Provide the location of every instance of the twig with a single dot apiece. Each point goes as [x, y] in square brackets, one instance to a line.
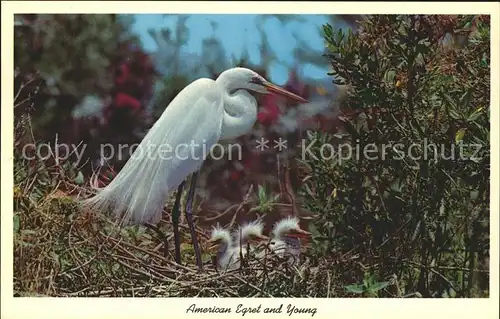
[442, 267]
[209, 219]
[253, 286]
[155, 255]
[161, 237]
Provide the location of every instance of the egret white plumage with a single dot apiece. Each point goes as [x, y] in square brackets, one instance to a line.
[229, 255]
[249, 235]
[203, 113]
[221, 240]
[286, 236]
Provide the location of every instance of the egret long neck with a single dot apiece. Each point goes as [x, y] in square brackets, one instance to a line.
[224, 246]
[222, 250]
[240, 114]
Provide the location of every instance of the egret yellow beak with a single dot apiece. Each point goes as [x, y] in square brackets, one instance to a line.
[299, 233]
[259, 238]
[273, 88]
[213, 244]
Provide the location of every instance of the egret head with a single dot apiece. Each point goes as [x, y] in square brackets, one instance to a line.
[246, 79]
[289, 227]
[218, 238]
[252, 232]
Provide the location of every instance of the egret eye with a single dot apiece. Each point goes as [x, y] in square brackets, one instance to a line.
[256, 80]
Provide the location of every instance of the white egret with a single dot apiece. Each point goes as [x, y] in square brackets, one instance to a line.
[229, 255]
[221, 240]
[286, 236]
[249, 234]
[203, 113]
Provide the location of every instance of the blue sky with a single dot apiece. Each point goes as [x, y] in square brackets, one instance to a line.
[239, 32]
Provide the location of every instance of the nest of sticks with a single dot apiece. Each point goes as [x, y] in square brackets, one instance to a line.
[61, 251]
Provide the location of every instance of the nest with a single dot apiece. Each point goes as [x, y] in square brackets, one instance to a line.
[61, 251]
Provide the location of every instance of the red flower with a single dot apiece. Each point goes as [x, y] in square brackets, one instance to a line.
[236, 175]
[123, 100]
[123, 74]
[271, 111]
[248, 161]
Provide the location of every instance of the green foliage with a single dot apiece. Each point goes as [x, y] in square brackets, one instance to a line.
[265, 200]
[369, 288]
[415, 200]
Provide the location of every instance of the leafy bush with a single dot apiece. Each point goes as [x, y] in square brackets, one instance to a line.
[421, 83]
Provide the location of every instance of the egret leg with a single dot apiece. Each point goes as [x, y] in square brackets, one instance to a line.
[189, 217]
[176, 213]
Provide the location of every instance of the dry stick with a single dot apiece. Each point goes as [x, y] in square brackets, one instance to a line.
[72, 252]
[233, 220]
[378, 192]
[253, 209]
[108, 291]
[219, 215]
[142, 272]
[160, 245]
[442, 267]
[278, 166]
[142, 262]
[395, 233]
[207, 279]
[161, 237]
[253, 286]
[240, 206]
[198, 230]
[152, 271]
[28, 187]
[155, 255]
[288, 189]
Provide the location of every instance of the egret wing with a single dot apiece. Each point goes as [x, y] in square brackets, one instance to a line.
[174, 147]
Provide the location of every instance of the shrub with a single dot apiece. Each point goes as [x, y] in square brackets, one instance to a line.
[414, 81]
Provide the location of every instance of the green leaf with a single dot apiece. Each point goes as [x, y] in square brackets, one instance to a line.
[79, 178]
[205, 257]
[454, 114]
[379, 286]
[460, 135]
[474, 195]
[314, 230]
[484, 62]
[475, 115]
[466, 97]
[389, 76]
[357, 289]
[450, 100]
[396, 185]
[16, 223]
[262, 194]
